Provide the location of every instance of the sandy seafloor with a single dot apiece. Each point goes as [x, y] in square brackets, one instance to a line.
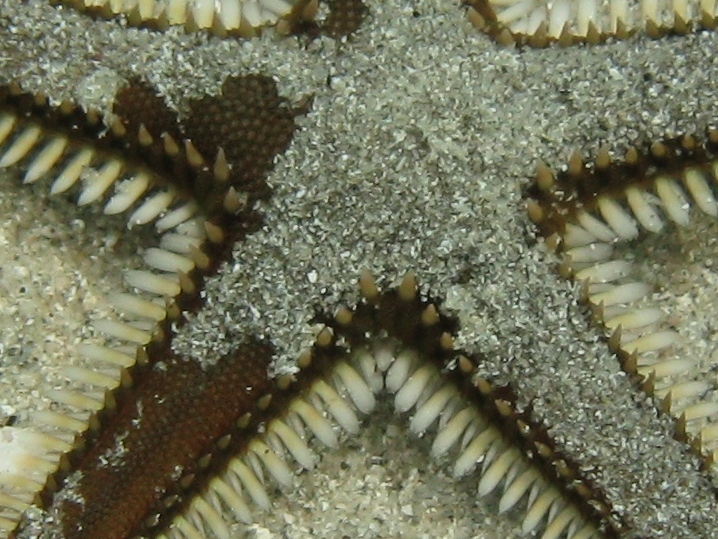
[413, 156]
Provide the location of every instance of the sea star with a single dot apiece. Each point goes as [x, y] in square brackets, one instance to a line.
[421, 134]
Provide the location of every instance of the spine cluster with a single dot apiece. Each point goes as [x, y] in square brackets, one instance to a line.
[539, 23]
[587, 213]
[153, 181]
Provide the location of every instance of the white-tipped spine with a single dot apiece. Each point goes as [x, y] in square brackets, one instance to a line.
[21, 146]
[360, 393]
[46, 159]
[99, 182]
[152, 207]
[643, 209]
[128, 193]
[674, 201]
[72, 170]
[618, 218]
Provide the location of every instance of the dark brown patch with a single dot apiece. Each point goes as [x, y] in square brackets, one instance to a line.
[250, 122]
[138, 104]
[345, 17]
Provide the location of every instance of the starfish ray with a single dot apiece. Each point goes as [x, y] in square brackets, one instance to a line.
[466, 161]
[668, 183]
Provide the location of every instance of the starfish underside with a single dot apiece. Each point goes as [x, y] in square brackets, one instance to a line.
[206, 434]
[201, 198]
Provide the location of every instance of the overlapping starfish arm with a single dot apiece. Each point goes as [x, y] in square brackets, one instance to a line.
[540, 22]
[588, 213]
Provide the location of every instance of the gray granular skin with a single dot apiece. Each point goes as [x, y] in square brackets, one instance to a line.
[421, 137]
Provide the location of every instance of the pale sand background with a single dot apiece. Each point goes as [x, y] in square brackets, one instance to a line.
[414, 156]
